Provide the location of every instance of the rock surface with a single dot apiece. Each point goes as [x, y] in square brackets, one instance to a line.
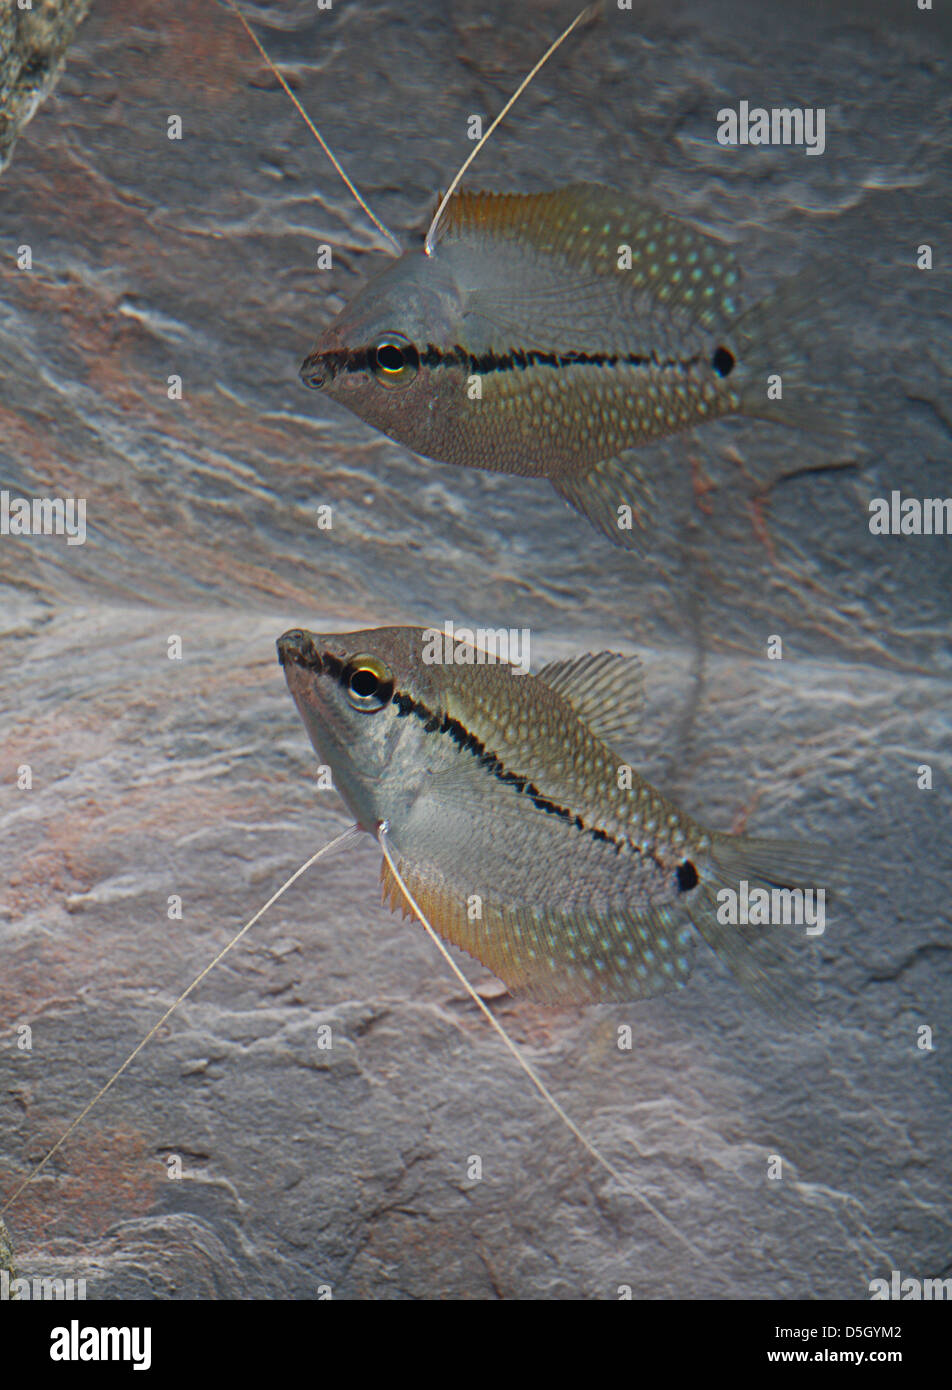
[349, 1168]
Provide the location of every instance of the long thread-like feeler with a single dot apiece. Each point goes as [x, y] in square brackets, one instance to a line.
[526, 1066]
[583, 16]
[326, 849]
[314, 130]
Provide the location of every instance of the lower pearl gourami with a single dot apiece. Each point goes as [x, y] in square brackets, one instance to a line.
[548, 334]
[512, 827]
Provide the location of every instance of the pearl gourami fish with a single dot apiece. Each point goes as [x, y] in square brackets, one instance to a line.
[551, 334]
[515, 827]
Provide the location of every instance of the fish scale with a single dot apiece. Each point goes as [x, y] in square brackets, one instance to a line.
[526, 726]
[581, 228]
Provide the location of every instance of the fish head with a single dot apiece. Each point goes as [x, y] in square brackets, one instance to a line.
[354, 691]
[376, 357]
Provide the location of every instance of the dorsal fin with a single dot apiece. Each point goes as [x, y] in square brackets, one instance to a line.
[606, 690]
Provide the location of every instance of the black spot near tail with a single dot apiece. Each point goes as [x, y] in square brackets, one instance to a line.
[723, 361]
[686, 874]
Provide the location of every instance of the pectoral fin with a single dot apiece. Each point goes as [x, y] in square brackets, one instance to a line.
[616, 497]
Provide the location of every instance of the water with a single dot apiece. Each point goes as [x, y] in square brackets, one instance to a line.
[154, 777]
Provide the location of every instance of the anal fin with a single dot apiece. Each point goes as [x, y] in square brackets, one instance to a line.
[553, 956]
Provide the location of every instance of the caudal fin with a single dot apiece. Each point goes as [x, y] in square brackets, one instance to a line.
[789, 364]
[760, 906]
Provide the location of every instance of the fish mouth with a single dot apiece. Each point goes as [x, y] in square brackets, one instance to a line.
[325, 364]
[314, 371]
[297, 648]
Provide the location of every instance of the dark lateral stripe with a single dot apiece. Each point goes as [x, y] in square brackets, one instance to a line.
[434, 723]
[326, 663]
[363, 360]
[517, 360]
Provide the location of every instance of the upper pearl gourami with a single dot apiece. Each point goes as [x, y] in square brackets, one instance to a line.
[550, 333]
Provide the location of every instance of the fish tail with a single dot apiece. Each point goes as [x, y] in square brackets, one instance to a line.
[782, 345]
[746, 875]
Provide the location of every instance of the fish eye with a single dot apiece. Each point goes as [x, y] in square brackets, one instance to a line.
[389, 357]
[368, 684]
[394, 360]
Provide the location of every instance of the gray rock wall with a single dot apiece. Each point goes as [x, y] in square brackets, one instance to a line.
[347, 1168]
